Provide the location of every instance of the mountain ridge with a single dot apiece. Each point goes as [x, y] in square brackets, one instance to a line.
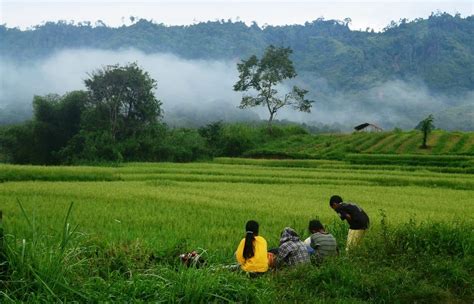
[438, 50]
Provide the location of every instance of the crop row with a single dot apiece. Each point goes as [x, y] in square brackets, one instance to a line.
[208, 172]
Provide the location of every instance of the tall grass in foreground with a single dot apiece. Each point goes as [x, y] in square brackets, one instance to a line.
[41, 264]
[422, 262]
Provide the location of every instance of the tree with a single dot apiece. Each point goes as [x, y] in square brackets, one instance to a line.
[426, 126]
[15, 143]
[263, 75]
[121, 100]
[212, 133]
[56, 120]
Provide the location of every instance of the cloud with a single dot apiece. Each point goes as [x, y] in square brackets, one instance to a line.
[179, 80]
[394, 103]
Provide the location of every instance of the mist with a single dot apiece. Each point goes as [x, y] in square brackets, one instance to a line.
[196, 92]
[394, 103]
[182, 84]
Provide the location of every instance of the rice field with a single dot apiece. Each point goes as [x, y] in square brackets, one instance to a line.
[161, 206]
[336, 146]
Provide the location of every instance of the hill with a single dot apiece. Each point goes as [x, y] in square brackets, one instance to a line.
[457, 118]
[445, 149]
[437, 51]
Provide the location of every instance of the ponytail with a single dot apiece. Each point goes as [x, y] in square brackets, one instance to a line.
[252, 231]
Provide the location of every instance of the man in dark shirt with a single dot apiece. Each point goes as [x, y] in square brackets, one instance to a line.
[356, 217]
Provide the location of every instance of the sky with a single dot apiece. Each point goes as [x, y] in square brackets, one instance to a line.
[364, 14]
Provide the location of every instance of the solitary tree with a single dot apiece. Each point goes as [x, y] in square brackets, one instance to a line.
[263, 75]
[122, 99]
[426, 126]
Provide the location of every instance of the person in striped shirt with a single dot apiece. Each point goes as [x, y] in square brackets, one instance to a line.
[321, 243]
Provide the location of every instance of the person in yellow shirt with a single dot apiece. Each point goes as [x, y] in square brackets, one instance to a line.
[252, 251]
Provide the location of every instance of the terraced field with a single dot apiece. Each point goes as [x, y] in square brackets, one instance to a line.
[132, 220]
[336, 146]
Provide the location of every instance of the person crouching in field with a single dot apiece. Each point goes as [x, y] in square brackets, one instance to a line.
[252, 251]
[320, 243]
[292, 250]
[356, 217]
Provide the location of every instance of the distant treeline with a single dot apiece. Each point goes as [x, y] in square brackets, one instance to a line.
[64, 136]
[119, 119]
[438, 50]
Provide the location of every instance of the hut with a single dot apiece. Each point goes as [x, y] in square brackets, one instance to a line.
[368, 127]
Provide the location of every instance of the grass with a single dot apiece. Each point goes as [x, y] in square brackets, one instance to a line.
[133, 220]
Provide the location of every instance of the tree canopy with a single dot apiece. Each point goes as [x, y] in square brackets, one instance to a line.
[426, 126]
[121, 99]
[263, 75]
[117, 118]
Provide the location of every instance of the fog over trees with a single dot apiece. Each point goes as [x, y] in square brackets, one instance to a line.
[394, 78]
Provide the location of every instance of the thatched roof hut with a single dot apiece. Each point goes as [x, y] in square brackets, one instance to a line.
[368, 127]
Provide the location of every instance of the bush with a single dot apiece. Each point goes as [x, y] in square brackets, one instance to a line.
[91, 147]
[13, 145]
[238, 138]
[185, 145]
[212, 133]
[147, 145]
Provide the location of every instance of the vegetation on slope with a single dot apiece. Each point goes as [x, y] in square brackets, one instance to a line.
[337, 146]
[437, 50]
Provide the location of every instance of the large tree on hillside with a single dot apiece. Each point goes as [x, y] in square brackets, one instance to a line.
[263, 75]
[121, 100]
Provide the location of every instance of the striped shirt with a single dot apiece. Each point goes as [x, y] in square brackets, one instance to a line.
[324, 244]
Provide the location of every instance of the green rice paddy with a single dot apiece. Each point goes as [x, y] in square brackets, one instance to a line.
[159, 209]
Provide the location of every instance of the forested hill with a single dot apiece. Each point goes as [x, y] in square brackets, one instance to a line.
[438, 51]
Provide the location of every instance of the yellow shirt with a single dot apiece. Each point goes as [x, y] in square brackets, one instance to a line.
[257, 263]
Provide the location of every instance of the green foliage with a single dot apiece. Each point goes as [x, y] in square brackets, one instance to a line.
[147, 145]
[56, 120]
[438, 50]
[238, 138]
[185, 145]
[340, 146]
[121, 100]
[117, 119]
[286, 141]
[212, 133]
[92, 147]
[12, 143]
[263, 75]
[426, 126]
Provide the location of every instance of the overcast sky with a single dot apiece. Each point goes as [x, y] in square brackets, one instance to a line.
[373, 14]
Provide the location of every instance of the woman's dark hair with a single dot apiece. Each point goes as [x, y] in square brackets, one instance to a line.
[335, 199]
[315, 225]
[251, 231]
